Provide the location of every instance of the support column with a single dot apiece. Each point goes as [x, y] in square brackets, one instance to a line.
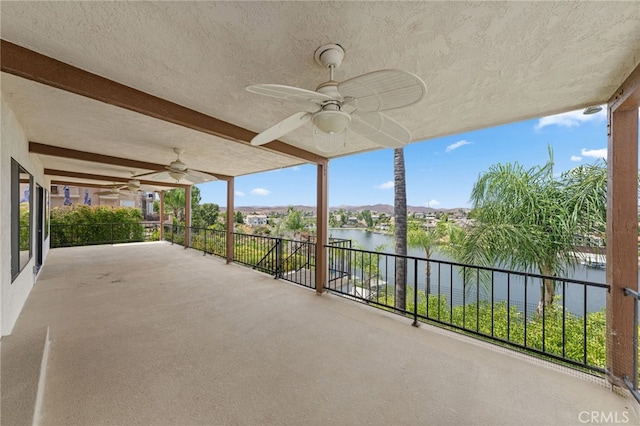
[187, 217]
[161, 215]
[322, 215]
[622, 239]
[230, 221]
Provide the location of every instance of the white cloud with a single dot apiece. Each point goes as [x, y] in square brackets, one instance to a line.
[570, 119]
[386, 185]
[432, 203]
[594, 153]
[260, 191]
[239, 194]
[456, 145]
[576, 158]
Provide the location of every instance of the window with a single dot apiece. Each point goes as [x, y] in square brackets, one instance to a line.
[21, 226]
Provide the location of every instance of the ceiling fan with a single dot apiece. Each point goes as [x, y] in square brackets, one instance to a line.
[132, 186]
[179, 171]
[116, 190]
[354, 104]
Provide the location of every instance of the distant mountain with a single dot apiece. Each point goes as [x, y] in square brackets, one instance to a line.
[380, 208]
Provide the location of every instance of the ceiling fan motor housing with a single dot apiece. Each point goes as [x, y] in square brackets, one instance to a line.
[329, 55]
[178, 165]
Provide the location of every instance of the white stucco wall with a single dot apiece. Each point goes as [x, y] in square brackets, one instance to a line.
[14, 144]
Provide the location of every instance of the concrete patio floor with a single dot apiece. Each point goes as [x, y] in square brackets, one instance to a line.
[154, 334]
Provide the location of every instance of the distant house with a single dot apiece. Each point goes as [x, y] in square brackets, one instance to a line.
[255, 219]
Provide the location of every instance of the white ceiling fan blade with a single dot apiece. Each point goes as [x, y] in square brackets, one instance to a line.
[285, 126]
[145, 174]
[383, 90]
[159, 176]
[147, 188]
[380, 129]
[289, 93]
[195, 176]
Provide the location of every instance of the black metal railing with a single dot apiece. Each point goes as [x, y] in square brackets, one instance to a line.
[63, 235]
[494, 304]
[287, 259]
[632, 383]
[209, 241]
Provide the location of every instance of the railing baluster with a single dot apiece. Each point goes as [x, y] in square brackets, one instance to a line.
[477, 300]
[415, 293]
[564, 318]
[584, 329]
[492, 303]
[525, 310]
[439, 293]
[509, 307]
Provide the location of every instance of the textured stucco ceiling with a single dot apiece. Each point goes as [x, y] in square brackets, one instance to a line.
[484, 63]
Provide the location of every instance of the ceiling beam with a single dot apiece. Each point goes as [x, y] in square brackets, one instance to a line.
[628, 94]
[56, 151]
[34, 66]
[89, 176]
[76, 184]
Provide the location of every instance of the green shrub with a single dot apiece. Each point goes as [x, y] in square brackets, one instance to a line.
[508, 323]
[84, 225]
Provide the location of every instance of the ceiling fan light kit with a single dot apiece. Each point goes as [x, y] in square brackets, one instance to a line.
[331, 121]
[354, 104]
[177, 175]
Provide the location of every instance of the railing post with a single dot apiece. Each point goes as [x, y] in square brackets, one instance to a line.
[633, 385]
[204, 248]
[112, 233]
[415, 293]
[172, 233]
[279, 257]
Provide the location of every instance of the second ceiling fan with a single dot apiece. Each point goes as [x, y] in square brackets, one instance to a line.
[178, 171]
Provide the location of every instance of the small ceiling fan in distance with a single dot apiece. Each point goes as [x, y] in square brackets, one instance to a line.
[179, 171]
[355, 104]
[132, 186]
[116, 190]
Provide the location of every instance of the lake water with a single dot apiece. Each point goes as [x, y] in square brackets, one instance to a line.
[511, 287]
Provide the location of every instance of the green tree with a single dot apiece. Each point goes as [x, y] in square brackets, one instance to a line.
[208, 213]
[527, 219]
[400, 229]
[238, 217]
[174, 202]
[333, 223]
[293, 223]
[366, 216]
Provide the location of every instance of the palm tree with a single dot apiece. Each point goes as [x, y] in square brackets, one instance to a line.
[174, 202]
[427, 239]
[400, 230]
[528, 220]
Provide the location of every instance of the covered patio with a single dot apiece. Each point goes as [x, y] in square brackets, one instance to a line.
[93, 92]
[151, 333]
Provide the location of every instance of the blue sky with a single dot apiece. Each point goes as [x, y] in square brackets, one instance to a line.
[440, 172]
